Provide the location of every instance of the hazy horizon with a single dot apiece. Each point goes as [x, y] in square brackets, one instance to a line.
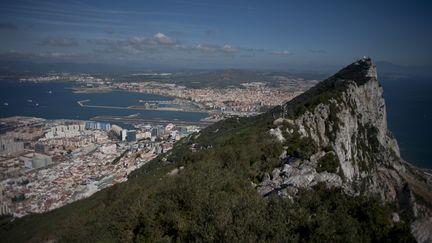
[321, 36]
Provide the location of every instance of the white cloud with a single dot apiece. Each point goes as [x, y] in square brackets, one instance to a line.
[138, 45]
[163, 39]
[61, 42]
[208, 48]
[160, 43]
[281, 53]
[229, 49]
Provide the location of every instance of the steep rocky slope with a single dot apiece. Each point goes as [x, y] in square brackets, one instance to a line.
[322, 167]
[352, 147]
[350, 128]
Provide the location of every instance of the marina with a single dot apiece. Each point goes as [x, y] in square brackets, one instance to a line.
[63, 103]
[137, 120]
[154, 106]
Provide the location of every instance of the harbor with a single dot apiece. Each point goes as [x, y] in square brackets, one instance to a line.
[154, 105]
[138, 120]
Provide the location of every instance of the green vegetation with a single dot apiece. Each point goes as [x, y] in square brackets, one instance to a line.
[329, 162]
[116, 160]
[327, 91]
[213, 198]
[18, 198]
[297, 146]
[372, 135]
[369, 146]
[223, 78]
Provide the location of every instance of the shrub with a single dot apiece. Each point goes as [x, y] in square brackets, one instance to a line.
[329, 162]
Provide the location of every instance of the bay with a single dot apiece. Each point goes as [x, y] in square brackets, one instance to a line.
[409, 109]
[55, 100]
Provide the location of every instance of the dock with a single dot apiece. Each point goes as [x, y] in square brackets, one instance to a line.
[138, 107]
[135, 120]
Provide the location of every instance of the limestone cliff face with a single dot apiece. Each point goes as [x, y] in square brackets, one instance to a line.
[344, 121]
[368, 154]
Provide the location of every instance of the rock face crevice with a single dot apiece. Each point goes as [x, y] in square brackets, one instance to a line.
[344, 120]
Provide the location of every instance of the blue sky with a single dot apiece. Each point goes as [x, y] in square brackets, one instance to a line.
[217, 34]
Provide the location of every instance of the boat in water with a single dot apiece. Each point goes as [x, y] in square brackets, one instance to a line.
[133, 115]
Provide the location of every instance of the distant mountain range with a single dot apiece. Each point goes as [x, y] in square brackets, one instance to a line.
[321, 168]
[387, 69]
[30, 67]
[391, 70]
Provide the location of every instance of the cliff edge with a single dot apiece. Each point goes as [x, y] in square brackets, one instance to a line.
[341, 125]
[321, 168]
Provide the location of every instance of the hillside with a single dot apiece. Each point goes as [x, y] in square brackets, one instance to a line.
[224, 78]
[323, 167]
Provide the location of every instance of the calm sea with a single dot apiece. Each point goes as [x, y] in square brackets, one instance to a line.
[57, 101]
[409, 108]
[409, 111]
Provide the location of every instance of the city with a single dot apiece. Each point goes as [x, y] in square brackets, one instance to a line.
[244, 99]
[215, 121]
[45, 164]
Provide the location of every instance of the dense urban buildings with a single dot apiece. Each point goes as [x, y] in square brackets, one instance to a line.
[71, 159]
[45, 164]
[243, 99]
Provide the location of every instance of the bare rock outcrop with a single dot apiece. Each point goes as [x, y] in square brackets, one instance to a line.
[336, 134]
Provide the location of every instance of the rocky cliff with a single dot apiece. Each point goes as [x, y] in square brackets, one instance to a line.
[324, 165]
[342, 121]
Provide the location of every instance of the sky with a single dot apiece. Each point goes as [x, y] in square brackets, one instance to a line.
[216, 34]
